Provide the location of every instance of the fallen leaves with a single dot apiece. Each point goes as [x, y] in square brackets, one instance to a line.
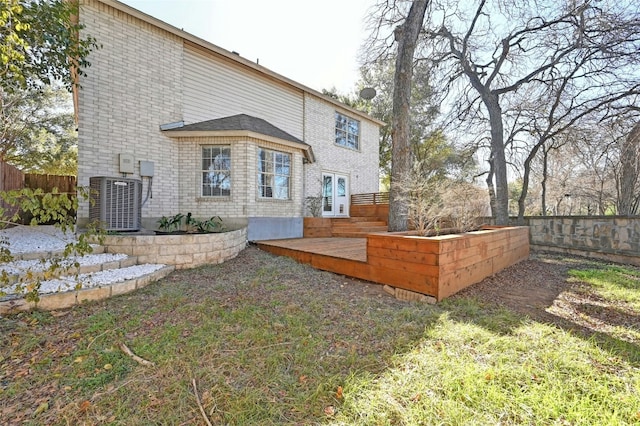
[330, 410]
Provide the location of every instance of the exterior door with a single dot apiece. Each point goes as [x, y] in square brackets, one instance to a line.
[335, 195]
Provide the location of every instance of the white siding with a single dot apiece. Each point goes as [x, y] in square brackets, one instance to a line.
[215, 89]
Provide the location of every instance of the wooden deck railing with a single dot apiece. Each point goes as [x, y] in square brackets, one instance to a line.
[371, 198]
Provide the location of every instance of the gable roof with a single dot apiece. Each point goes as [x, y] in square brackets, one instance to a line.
[241, 125]
[194, 40]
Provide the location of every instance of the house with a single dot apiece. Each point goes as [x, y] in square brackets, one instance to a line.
[209, 132]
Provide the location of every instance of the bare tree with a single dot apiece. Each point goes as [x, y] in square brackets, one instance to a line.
[406, 35]
[627, 183]
[577, 57]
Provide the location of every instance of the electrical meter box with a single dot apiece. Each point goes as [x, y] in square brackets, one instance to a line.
[126, 163]
[146, 168]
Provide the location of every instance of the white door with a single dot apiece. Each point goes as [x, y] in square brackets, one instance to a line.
[335, 195]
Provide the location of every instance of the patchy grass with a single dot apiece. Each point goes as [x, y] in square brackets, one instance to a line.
[613, 282]
[272, 342]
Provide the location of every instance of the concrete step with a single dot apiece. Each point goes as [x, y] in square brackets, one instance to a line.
[95, 276]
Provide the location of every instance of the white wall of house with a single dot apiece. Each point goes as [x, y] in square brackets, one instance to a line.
[362, 166]
[244, 200]
[134, 84]
[147, 74]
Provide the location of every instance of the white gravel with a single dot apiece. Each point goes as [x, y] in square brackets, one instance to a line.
[29, 239]
[22, 266]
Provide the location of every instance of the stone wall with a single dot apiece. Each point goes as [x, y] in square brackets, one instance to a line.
[614, 238]
[183, 251]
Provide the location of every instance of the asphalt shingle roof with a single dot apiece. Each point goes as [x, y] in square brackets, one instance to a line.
[240, 122]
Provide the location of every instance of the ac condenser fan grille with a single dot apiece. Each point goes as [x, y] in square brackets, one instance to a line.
[116, 203]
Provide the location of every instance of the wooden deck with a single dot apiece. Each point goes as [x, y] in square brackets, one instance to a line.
[346, 256]
[434, 266]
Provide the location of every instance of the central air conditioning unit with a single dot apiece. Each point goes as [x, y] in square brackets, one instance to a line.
[116, 203]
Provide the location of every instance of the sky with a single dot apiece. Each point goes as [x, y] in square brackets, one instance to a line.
[315, 43]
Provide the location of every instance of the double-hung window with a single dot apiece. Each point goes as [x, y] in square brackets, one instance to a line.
[347, 132]
[216, 171]
[274, 174]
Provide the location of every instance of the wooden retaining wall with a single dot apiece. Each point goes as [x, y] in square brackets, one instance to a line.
[435, 266]
[443, 265]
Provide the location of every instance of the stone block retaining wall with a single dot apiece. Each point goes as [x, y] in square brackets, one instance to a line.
[182, 251]
[613, 238]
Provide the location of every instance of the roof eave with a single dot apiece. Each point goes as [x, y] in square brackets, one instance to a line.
[183, 134]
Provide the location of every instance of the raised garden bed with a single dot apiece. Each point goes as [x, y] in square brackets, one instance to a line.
[443, 265]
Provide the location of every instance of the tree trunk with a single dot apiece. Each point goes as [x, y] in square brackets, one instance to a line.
[629, 172]
[545, 171]
[491, 189]
[525, 181]
[406, 36]
[501, 213]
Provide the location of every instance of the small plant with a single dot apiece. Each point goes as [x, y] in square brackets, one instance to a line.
[173, 223]
[438, 204]
[213, 224]
[314, 205]
[170, 223]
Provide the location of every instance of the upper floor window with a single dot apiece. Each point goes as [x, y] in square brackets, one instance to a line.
[347, 132]
[274, 174]
[216, 171]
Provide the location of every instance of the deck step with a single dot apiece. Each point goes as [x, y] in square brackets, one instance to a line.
[356, 227]
[354, 234]
[359, 224]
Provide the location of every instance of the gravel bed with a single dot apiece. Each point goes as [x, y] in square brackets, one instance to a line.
[28, 239]
[22, 266]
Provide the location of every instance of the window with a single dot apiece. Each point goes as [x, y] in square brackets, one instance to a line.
[274, 174]
[347, 132]
[216, 171]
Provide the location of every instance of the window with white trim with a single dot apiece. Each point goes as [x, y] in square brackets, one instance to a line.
[216, 171]
[274, 174]
[347, 132]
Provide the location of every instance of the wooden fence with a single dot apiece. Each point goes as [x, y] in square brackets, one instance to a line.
[10, 178]
[375, 205]
[65, 184]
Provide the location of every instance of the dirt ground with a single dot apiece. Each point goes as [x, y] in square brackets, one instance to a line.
[540, 288]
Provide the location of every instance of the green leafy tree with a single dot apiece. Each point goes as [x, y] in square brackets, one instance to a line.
[40, 43]
[41, 55]
[37, 131]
